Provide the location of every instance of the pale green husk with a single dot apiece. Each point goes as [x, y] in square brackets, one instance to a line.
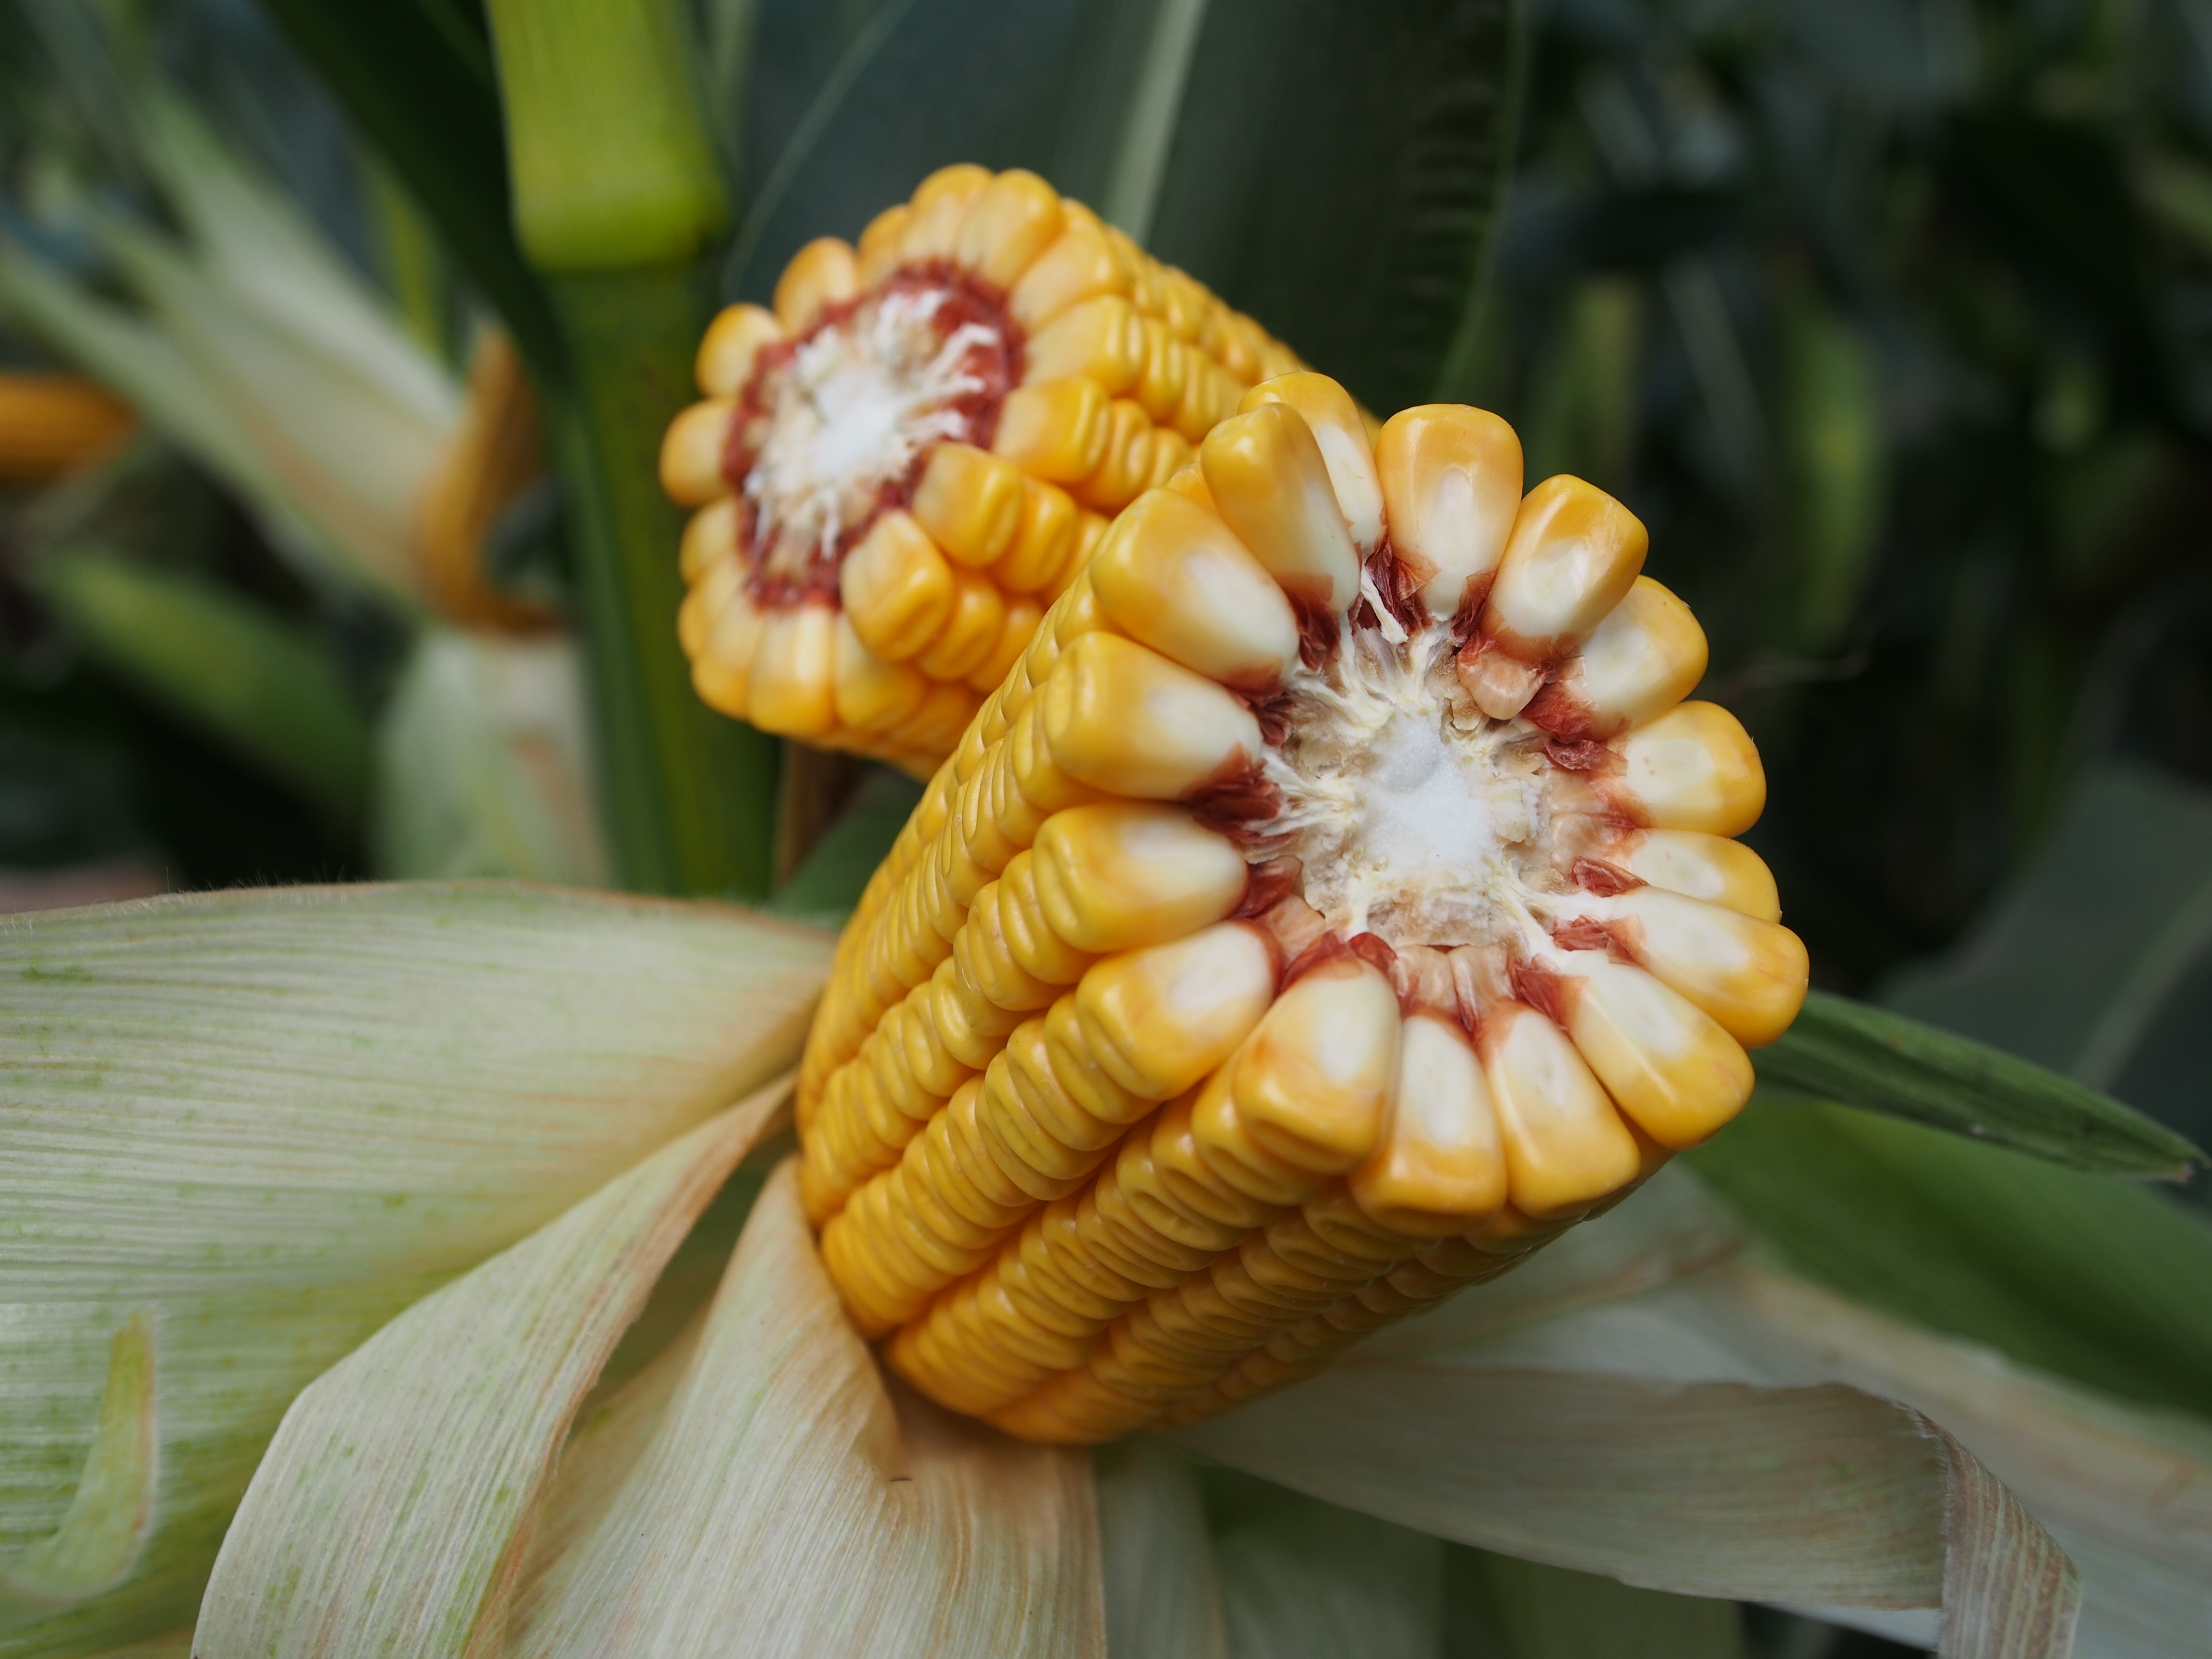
[398, 1499]
[268, 1121]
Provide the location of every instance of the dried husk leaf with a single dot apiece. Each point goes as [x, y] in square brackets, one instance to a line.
[787, 1497]
[391, 1510]
[1809, 1495]
[347, 457]
[1612, 1441]
[269, 1121]
[2126, 1492]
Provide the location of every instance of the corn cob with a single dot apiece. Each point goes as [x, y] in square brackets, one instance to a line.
[50, 423]
[1333, 903]
[900, 465]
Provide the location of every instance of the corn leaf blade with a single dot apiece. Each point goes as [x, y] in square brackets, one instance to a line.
[769, 1482]
[273, 1119]
[2091, 1279]
[417, 78]
[1162, 1594]
[2096, 963]
[1302, 1580]
[256, 681]
[1332, 171]
[399, 1494]
[1861, 1055]
[1337, 172]
[920, 86]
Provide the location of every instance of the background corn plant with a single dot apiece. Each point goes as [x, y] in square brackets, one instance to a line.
[1888, 319]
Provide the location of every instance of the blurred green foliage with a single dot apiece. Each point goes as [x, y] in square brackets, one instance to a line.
[1894, 321]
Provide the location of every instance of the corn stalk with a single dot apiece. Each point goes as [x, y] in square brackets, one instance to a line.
[616, 201]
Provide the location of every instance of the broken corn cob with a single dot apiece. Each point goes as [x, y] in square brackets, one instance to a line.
[50, 423]
[905, 461]
[1333, 903]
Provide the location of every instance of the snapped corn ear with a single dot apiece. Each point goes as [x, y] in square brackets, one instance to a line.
[902, 463]
[51, 422]
[1311, 922]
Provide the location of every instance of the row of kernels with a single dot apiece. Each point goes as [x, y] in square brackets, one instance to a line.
[1158, 1212]
[1411, 1285]
[1061, 1089]
[1303, 1263]
[994, 774]
[1182, 1338]
[1037, 1140]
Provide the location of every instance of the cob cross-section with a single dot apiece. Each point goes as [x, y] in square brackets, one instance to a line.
[1333, 903]
[899, 466]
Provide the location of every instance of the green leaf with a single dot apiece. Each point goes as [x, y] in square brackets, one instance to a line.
[1163, 1596]
[415, 76]
[829, 882]
[2091, 1279]
[1860, 1055]
[461, 1404]
[1304, 1580]
[763, 1477]
[274, 1119]
[1551, 1612]
[1337, 172]
[224, 663]
[924, 83]
[1332, 169]
[2097, 961]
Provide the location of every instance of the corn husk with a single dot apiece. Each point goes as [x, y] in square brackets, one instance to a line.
[398, 1499]
[484, 766]
[260, 354]
[763, 1487]
[267, 1121]
[1605, 1441]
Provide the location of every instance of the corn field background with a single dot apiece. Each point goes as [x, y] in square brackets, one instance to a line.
[1892, 319]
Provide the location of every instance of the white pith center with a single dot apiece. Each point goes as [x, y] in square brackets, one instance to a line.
[1415, 817]
[848, 414]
